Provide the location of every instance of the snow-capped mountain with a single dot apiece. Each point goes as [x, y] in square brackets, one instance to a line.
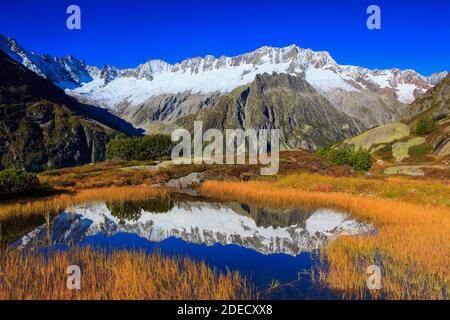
[200, 223]
[210, 74]
[67, 72]
[156, 93]
[224, 74]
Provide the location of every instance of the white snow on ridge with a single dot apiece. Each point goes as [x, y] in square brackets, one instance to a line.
[326, 80]
[110, 86]
[381, 80]
[210, 74]
[207, 75]
[137, 91]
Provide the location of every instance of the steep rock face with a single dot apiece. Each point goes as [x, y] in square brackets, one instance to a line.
[42, 128]
[368, 107]
[45, 135]
[435, 103]
[108, 73]
[304, 117]
[166, 108]
[437, 77]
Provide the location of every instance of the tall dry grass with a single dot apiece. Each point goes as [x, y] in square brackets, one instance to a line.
[117, 275]
[412, 245]
[417, 191]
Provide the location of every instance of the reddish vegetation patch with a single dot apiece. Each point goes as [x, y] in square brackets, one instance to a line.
[323, 188]
[295, 161]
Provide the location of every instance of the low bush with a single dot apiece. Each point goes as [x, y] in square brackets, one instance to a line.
[151, 147]
[360, 160]
[420, 150]
[425, 126]
[17, 182]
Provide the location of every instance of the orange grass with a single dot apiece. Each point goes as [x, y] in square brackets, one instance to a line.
[118, 275]
[412, 244]
[55, 204]
[419, 191]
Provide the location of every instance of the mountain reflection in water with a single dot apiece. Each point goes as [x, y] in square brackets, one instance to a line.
[265, 245]
[266, 231]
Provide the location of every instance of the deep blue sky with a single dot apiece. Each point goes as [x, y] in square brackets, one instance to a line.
[415, 34]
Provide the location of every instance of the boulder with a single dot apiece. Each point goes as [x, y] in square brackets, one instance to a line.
[412, 171]
[190, 181]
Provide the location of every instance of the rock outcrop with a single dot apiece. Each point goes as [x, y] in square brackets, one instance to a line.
[279, 101]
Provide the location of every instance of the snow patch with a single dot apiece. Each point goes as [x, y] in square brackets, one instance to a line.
[326, 80]
[405, 92]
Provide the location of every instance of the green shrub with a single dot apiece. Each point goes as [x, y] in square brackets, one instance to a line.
[139, 148]
[17, 182]
[385, 151]
[420, 150]
[360, 160]
[425, 126]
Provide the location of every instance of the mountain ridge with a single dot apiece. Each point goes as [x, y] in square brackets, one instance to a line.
[43, 128]
[279, 101]
[295, 59]
[156, 95]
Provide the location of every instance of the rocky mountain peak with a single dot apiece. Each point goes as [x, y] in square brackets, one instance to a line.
[108, 73]
[66, 72]
[373, 96]
[437, 77]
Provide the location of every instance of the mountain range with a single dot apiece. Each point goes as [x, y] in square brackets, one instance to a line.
[306, 94]
[43, 128]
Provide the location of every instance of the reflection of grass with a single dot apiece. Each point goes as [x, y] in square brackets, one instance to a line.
[119, 275]
[15, 228]
[56, 204]
[412, 245]
[274, 284]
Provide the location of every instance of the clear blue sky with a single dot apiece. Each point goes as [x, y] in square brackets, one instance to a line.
[415, 34]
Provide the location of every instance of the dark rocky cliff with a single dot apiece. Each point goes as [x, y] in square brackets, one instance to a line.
[279, 101]
[42, 128]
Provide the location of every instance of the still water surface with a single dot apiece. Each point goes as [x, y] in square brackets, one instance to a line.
[266, 245]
